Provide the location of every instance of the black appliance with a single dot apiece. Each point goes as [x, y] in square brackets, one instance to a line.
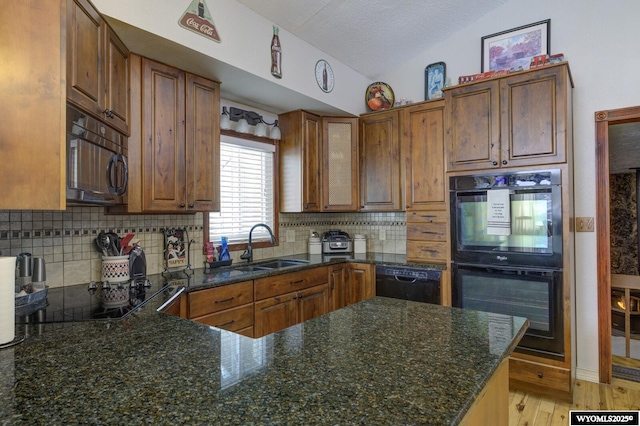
[97, 170]
[137, 264]
[336, 242]
[532, 293]
[408, 283]
[93, 302]
[535, 233]
[513, 265]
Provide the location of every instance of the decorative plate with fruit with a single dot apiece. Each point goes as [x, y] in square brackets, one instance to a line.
[379, 96]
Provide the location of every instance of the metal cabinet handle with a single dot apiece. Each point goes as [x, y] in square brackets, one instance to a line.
[182, 205]
[191, 205]
[225, 300]
[504, 162]
[297, 282]
[540, 375]
[495, 163]
[225, 324]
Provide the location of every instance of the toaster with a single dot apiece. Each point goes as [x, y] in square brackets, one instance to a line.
[336, 241]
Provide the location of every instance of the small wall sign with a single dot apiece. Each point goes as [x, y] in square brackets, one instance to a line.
[198, 19]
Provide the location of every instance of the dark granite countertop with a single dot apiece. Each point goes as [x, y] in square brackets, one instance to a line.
[381, 361]
[228, 275]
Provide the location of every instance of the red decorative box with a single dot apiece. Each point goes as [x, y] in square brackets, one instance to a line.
[482, 76]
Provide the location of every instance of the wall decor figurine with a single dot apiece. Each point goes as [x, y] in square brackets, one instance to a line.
[434, 77]
[198, 19]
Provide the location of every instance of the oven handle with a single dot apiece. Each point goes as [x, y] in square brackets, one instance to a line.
[402, 279]
[498, 268]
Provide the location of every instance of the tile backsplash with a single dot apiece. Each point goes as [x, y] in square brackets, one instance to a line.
[65, 239]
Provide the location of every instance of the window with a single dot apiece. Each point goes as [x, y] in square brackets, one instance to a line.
[247, 188]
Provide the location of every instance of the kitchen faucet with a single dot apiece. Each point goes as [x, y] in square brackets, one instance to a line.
[248, 253]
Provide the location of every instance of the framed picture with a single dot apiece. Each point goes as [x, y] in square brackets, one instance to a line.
[434, 78]
[513, 49]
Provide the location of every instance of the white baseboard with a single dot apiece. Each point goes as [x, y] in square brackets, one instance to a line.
[587, 375]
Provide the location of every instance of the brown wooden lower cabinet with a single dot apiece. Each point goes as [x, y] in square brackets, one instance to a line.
[233, 319]
[229, 307]
[338, 278]
[361, 282]
[178, 307]
[288, 299]
[542, 379]
[266, 305]
[350, 283]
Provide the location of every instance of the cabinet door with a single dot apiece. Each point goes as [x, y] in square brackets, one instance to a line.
[313, 302]
[32, 97]
[360, 285]
[534, 117]
[311, 163]
[473, 126]
[300, 162]
[85, 85]
[380, 186]
[338, 277]
[423, 146]
[202, 144]
[340, 152]
[163, 143]
[274, 314]
[116, 80]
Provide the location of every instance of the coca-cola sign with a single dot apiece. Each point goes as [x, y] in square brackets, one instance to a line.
[197, 19]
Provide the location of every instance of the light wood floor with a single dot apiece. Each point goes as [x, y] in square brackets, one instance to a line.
[531, 410]
[625, 362]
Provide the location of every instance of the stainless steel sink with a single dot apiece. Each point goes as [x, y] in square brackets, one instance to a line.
[272, 264]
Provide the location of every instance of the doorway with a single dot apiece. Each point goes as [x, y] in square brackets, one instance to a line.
[604, 120]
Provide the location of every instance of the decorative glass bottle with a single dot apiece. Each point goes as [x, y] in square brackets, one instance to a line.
[276, 54]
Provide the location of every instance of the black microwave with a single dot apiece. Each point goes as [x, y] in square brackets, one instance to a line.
[97, 171]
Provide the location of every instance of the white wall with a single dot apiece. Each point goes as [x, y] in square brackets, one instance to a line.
[599, 39]
[245, 44]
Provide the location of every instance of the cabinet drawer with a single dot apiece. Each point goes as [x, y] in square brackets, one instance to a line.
[216, 299]
[427, 250]
[427, 231]
[427, 216]
[246, 331]
[286, 283]
[540, 378]
[230, 319]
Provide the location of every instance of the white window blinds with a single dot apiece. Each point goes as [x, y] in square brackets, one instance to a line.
[246, 190]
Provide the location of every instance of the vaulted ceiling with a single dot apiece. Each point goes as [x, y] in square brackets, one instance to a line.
[372, 36]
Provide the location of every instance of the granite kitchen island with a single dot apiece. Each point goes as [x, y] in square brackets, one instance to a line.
[381, 361]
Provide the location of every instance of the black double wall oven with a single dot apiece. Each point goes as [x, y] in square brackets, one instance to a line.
[506, 246]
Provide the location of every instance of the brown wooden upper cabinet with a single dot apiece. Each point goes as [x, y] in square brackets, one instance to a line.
[174, 148]
[340, 171]
[381, 185]
[32, 95]
[97, 66]
[318, 163]
[300, 162]
[518, 120]
[425, 192]
[423, 147]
